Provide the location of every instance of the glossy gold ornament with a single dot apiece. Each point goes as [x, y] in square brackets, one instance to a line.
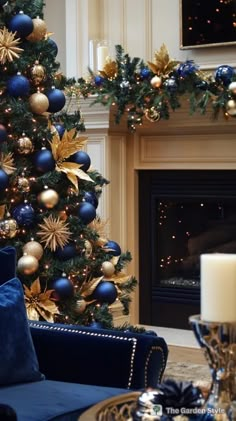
[156, 81]
[80, 306]
[27, 264]
[37, 73]
[24, 145]
[108, 269]
[39, 30]
[88, 248]
[231, 107]
[232, 88]
[152, 114]
[38, 103]
[49, 198]
[33, 248]
[8, 228]
[23, 184]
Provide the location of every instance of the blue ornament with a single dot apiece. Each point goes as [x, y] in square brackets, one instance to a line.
[81, 158]
[86, 212]
[98, 80]
[24, 214]
[60, 129]
[22, 24]
[171, 85]
[56, 100]
[105, 292]
[224, 74]
[4, 180]
[18, 85]
[187, 68]
[53, 46]
[113, 248]
[67, 252]
[145, 73]
[3, 133]
[91, 197]
[96, 325]
[63, 288]
[44, 160]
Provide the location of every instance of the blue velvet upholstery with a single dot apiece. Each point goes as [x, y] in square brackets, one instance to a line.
[18, 360]
[7, 264]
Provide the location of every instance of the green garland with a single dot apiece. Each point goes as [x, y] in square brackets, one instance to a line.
[152, 90]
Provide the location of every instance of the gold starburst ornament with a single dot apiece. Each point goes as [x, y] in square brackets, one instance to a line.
[54, 233]
[39, 304]
[7, 163]
[9, 49]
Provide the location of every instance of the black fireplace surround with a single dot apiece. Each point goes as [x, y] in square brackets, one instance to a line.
[182, 214]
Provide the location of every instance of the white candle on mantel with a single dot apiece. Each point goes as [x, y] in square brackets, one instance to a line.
[102, 54]
[218, 287]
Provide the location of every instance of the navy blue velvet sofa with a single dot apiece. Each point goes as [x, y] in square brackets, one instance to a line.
[83, 366]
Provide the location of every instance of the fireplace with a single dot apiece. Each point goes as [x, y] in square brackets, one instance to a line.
[183, 213]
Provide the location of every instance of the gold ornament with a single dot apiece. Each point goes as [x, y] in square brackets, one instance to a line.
[54, 233]
[156, 81]
[80, 306]
[152, 114]
[49, 198]
[7, 163]
[8, 228]
[9, 49]
[232, 87]
[231, 107]
[110, 69]
[88, 248]
[162, 65]
[33, 248]
[38, 103]
[37, 73]
[38, 304]
[27, 264]
[108, 269]
[39, 30]
[24, 145]
[88, 288]
[23, 184]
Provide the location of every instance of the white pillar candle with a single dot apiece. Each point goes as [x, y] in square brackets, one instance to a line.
[218, 287]
[102, 54]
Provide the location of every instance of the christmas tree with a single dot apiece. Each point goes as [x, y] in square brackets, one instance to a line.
[49, 192]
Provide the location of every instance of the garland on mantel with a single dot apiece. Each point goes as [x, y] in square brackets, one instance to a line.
[152, 90]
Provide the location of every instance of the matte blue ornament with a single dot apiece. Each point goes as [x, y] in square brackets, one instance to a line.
[91, 197]
[98, 80]
[86, 212]
[145, 73]
[113, 248]
[22, 24]
[24, 214]
[44, 160]
[82, 158]
[18, 85]
[60, 129]
[67, 252]
[3, 133]
[224, 74]
[56, 100]
[53, 46]
[105, 292]
[171, 85]
[63, 288]
[187, 68]
[96, 325]
[4, 180]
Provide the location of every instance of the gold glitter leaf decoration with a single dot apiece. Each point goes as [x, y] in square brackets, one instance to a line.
[39, 304]
[88, 288]
[120, 278]
[110, 69]
[7, 163]
[67, 146]
[54, 233]
[9, 49]
[162, 63]
[72, 170]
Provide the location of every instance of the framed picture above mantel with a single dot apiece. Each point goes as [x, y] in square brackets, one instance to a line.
[210, 23]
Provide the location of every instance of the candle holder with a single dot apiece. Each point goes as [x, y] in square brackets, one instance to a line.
[218, 340]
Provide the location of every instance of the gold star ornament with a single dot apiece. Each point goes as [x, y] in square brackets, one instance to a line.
[9, 49]
[39, 304]
[54, 233]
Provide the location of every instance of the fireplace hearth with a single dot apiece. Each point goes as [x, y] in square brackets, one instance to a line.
[183, 213]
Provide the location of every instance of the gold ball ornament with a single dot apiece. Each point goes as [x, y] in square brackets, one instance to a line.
[23, 184]
[232, 87]
[48, 198]
[156, 81]
[27, 264]
[24, 145]
[152, 114]
[33, 248]
[231, 108]
[88, 248]
[37, 73]
[8, 228]
[80, 306]
[38, 103]
[108, 269]
[39, 30]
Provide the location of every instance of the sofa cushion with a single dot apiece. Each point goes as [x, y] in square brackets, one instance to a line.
[17, 354]
[52, 400]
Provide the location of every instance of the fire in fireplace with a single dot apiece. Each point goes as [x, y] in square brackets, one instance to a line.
[183, 213]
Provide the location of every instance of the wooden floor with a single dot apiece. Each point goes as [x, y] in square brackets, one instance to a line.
[186, 355]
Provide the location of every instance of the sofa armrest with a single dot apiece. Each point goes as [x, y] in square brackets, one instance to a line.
[98, 356]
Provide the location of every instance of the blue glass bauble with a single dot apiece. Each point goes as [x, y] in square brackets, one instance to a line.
[86, 212]
[145, 73]
[81, 158]
[91, 197]
[56, 100]
[3, 133]
[171, 85]
[53, 46]
[187, 68]
[44, 161]
[60, 129]
[96, 325]
[67, 252]
[105, 292]
[24, 214]
[4, 180]
[18, 85]
[98, 80]
[22, 24]
[224, 74]
[63, 288]
[113, 248]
